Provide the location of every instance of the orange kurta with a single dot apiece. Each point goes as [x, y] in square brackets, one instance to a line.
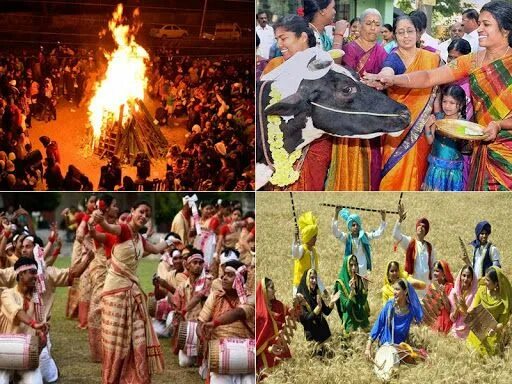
[408, 173]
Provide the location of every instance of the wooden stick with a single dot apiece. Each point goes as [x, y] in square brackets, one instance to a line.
[294, 217]
[358, 208]
[363, 277]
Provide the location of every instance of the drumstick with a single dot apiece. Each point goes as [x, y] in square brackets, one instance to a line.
[357, 208]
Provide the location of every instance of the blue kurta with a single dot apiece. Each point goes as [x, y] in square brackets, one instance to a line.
[381, 329]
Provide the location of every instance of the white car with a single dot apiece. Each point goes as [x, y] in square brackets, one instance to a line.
[170, 31]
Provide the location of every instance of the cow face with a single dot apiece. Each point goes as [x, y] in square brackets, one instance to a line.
[340, 105]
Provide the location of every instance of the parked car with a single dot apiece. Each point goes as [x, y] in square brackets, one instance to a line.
[170, 31]
[230, 31]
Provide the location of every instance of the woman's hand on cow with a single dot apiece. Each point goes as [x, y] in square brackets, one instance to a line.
[492, 130]
[378, 81]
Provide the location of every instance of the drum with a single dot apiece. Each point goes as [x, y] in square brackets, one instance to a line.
[232, 356]
[163, 308]
[170, 325]
[386, 362]
[188, 341]
[19, 352]
[151, 305]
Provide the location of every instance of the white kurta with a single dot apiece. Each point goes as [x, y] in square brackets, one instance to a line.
[357, 245]
[479, 258]
[267, 39]
[421, 269]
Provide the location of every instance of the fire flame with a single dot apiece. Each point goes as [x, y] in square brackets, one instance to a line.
[125, 79]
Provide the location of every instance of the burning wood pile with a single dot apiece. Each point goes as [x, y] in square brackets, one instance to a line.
[121, 123]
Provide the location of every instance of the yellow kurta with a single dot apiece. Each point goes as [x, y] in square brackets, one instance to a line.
[491, 344]
[303, 264]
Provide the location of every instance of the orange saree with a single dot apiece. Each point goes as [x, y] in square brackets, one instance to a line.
[491, 93]
[404, 158]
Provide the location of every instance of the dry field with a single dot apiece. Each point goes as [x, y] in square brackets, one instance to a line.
[450, 215]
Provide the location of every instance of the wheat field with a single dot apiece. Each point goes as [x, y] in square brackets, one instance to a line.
[450, 215]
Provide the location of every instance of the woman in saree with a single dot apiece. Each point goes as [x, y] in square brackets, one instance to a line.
[131, 351]
[404, 158]
[319, 14]
[352, 305]
[394, 272]
[103, 243]
[495, 295]
[230, 233]
[270, 320]
[314, 309]
[355, 164]
[394, 321]
[293, 35]
[489, 72]
[440, 288]
[461, 297]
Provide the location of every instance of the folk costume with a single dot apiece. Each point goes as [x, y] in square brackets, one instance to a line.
[270, 319]
[498, 304]
[305, 257]
[352, 305]
[312, 318]
[419, 256]
[393, 325]
[443, 321]
[131, 351]
[359, 246]
[459, 328]
[484, 256]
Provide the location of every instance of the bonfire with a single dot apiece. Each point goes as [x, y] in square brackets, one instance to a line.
[121, 124]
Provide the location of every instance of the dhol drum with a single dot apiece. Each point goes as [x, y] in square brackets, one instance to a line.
[19, 352]
[232, 356]
[386, 362]
[151, 305]
[188, 341]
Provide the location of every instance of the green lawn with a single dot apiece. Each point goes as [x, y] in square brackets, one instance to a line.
[71, 348]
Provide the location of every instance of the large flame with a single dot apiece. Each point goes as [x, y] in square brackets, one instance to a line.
[125, 79]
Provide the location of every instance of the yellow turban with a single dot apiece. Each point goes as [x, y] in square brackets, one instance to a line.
[308, 226]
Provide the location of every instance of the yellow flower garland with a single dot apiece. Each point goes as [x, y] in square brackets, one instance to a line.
[284, 174]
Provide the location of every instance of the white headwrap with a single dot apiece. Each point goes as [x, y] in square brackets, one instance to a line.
[239, 282]
[191, 201]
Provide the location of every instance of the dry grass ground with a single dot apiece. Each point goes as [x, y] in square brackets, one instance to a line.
[71, 346]
[450, 215]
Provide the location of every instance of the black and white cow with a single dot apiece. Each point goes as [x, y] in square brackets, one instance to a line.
[336, 104]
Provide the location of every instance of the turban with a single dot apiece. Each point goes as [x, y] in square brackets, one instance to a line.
[425, 222]
[308, 226]
[478, 229]
[350, 218]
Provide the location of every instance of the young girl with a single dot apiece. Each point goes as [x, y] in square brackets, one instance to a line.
[446, 164]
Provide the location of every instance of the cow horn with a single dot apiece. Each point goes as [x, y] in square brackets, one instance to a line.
[316, 64]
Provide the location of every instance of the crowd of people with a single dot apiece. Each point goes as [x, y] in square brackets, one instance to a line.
[448, 80]
[216, 94]
[472, 305]
[200, 287]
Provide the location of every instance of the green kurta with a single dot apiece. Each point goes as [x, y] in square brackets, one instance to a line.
[353, 309]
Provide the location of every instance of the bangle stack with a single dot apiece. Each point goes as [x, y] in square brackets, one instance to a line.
[32, 323]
